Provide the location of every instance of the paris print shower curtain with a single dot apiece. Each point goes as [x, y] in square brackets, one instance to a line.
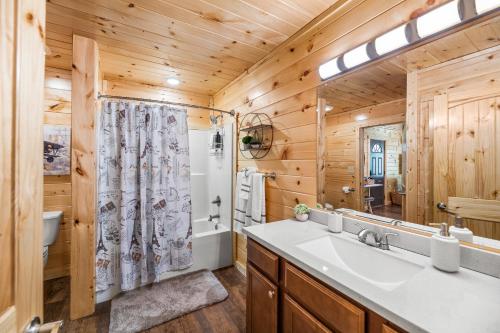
[144, 200]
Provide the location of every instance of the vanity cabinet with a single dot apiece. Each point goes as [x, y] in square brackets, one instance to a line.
[283, 298]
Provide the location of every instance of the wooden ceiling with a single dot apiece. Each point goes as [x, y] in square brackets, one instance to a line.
[386, 81]
[204, 43]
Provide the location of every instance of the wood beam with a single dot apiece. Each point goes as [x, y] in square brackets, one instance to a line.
[84, 108]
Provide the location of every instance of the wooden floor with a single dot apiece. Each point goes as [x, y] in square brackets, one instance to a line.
[227, 316]
[391, 211]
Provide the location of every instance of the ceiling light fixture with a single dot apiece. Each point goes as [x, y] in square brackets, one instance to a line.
[438, 19]
[329, 69]
[430, 23]
[361, 117]
[483, 6]
[173, 81]
[356, 56]
[328, 108]
[391, 40]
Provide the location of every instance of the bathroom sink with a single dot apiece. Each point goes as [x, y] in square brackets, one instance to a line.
[376, 266]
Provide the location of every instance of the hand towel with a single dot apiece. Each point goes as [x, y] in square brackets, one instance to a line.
[246, 183]
[258, 199]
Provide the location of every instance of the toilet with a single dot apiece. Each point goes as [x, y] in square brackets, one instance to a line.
[51, 222]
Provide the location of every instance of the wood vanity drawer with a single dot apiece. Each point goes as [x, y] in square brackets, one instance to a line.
[264, 259]
[336, 312]
[296, 319]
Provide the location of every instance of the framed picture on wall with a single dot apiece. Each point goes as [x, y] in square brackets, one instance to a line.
[56, 150]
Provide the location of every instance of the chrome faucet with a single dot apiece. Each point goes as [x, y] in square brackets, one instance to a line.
[377, 240]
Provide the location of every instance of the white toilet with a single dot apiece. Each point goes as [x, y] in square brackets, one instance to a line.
[51, 222]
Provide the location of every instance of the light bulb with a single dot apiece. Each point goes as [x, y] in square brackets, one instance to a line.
[391, 40]
[483, 6]
[173, 81]
[329, 69]
[356, 56]
[438, 19]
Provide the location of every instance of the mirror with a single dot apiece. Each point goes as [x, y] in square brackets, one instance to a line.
[401, 134]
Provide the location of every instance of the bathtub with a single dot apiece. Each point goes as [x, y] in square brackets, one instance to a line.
[212, 248]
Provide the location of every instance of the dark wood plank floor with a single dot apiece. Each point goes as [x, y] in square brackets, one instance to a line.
[227, 316]
[391, 211]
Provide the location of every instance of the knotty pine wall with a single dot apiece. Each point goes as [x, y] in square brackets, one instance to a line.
[57, 189]
[286, 81]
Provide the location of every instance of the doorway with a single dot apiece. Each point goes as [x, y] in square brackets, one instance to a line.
[382, 170]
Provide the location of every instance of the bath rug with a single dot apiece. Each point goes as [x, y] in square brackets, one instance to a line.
[148, 306]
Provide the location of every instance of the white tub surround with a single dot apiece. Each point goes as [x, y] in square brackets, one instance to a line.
[415, 296]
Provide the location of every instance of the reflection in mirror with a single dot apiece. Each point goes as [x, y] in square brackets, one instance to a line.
[402, 134]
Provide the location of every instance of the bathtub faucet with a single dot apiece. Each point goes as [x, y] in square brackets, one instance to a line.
[211, 217]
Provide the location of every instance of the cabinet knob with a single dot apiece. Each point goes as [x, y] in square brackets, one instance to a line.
[270, 293]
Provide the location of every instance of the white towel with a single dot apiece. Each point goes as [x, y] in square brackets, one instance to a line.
[258, 199]
[246, 183]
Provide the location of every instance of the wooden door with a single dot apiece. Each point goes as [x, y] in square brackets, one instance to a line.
[467, 158]
[22, 60]
[262, 303]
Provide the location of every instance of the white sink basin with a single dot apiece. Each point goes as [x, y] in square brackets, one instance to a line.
[373, 265]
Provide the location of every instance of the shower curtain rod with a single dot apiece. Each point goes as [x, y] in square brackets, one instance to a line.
[166, 102]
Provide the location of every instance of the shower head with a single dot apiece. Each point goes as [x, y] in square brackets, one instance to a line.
[214, 119]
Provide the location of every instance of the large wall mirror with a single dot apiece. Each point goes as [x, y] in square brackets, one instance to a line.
[401, 134]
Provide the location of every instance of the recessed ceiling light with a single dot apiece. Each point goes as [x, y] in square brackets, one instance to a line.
[173, 81]
[438, 19]
[356, 56]
[482, 6]
[361, 117]
[391, 40]
[329, 69]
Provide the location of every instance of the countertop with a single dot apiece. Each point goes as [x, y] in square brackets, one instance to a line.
[430, 301]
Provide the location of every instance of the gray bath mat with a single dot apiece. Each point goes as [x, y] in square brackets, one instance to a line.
[152, 305]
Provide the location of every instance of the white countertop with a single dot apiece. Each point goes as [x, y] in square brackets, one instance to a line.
[430, 301]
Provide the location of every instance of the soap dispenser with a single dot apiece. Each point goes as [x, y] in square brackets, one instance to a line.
[459, 231]
[445, 250]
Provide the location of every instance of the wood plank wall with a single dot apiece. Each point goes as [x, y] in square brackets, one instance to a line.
[459, 106]
[57, 189]
[343, 148]
[288, 76]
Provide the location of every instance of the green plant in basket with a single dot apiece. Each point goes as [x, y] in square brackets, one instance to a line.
[246, 139]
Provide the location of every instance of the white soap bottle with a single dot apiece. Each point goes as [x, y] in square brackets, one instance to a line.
[335, 222]
[459, 231]
[445, 250]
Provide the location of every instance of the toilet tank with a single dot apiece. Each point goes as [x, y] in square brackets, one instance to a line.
[51, 222]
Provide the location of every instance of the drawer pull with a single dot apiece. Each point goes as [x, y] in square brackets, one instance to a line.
[270, 293]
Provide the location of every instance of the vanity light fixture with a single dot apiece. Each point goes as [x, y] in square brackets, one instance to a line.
[434, 21]
[391, 40]
[356, 56]
[173, 81]
[329, 69]
[438, 19]
[483, 6]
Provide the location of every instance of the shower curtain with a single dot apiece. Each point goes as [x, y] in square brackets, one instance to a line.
[143, 192]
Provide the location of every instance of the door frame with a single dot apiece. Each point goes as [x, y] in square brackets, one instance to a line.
[22, 64]
[361, 161]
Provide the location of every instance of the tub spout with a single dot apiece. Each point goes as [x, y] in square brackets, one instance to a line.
[211, 217]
